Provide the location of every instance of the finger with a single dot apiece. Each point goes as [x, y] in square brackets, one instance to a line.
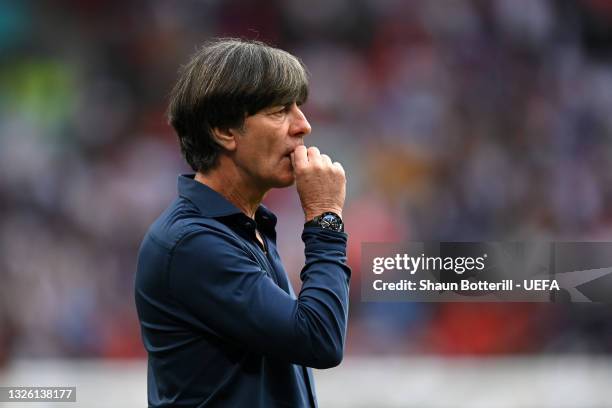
[326, 159]
[339, 166]
[314, 155]
[299, 157]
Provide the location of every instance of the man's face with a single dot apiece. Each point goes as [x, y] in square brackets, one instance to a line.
[266, 141]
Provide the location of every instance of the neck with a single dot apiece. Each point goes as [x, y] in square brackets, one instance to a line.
[228, 181]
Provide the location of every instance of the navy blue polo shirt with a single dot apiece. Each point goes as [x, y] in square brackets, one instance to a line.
[220, 322]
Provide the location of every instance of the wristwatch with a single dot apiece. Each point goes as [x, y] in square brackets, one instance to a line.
[327, 220]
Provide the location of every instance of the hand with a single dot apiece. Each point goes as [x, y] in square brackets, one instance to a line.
[320, 183]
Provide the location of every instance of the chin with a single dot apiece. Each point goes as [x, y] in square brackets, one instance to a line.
[284, 184]
[285, 181]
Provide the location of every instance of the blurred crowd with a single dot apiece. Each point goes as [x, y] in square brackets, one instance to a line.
[464, 120]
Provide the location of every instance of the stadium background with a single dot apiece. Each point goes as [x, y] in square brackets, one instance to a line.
[464, 120]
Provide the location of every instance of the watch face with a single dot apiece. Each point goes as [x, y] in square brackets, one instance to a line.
[330, 221]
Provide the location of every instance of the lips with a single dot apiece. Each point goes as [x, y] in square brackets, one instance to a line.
[289, 152]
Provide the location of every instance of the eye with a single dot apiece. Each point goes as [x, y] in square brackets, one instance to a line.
[281, 111]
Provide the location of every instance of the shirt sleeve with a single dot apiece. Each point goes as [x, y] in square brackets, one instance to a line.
[223, 287]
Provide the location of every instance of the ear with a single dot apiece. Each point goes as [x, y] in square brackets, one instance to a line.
[225, 138]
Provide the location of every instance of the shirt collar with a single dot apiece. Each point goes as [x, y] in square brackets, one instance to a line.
[212, 204]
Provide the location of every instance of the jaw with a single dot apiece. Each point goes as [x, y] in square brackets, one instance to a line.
[277, 174]
[284, 180]
[284, 173]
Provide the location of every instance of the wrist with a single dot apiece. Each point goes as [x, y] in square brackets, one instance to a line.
[311, 214]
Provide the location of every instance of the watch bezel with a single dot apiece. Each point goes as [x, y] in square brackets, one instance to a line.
[333, 224]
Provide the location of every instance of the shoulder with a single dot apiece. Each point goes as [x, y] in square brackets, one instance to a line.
[182, 221]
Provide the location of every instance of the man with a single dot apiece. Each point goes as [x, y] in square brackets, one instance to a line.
[220, 321]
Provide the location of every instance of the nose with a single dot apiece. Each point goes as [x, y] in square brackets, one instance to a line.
[299, 123]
